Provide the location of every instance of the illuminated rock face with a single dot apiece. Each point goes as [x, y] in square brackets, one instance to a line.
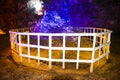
[52, 23]
[55, 20]
[64, 17]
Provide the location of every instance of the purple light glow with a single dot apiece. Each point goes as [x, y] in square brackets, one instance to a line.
[63, 17]
[52, 23]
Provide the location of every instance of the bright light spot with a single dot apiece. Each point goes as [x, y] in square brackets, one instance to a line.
[2, 32]
[37, 5]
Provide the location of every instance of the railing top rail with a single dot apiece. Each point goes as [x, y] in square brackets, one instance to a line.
[26, 31]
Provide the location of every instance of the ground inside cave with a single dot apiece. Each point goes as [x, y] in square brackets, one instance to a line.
[10, 70]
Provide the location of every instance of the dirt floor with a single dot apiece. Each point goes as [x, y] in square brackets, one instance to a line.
[10, 70]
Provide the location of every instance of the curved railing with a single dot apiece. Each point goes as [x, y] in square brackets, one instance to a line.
[45, 46]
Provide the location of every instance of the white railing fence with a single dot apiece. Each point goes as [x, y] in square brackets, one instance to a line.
[36, 45]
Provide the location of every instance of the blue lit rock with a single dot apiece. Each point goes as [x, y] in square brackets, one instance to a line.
[52, 22]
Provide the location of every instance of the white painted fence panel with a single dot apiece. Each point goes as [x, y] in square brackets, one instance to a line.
[100, 39]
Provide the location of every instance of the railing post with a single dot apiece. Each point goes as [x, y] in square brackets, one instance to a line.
[78, 53]
[93, 53]
[20, 49]
[108, 46]
[28, 40]
[100, 43]
[63, 65]
[50, 44]
[90, 36]
[11, 42]
[38, 43]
